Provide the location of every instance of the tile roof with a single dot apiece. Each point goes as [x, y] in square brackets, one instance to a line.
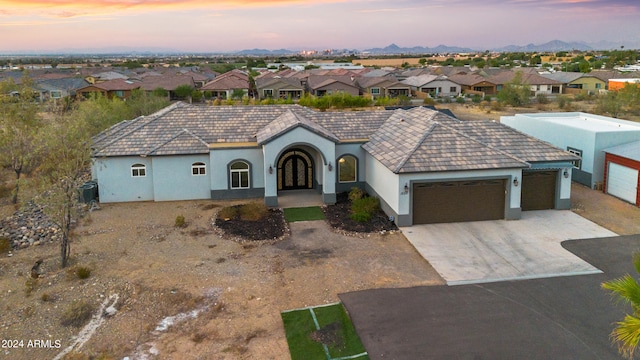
[319, 81]
[227, 81]
[420, 80]
[413, 140]
[117, 84]
[166, 82]
[502, 137]
[423, 140]
[290, 120]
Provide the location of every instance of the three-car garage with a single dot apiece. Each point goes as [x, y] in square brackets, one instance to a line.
[480, 200]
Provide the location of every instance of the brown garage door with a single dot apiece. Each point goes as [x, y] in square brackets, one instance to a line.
[538, 190]
[458, 201]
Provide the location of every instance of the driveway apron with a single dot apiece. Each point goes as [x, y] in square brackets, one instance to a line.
[488, 251]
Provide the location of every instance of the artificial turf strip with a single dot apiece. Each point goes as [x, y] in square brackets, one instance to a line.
[303, 214]
[299, 326]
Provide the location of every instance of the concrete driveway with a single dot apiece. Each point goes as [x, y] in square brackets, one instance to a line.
[488, 251]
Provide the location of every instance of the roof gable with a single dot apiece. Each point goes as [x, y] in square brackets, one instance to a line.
[288, 121]
[183, 143]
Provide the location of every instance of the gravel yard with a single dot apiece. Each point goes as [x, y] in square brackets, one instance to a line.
[187, 293]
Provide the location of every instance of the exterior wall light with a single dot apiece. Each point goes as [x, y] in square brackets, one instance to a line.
[565, 174]
[515, 181]
[406, 188]
[330, 167]
[270, 169]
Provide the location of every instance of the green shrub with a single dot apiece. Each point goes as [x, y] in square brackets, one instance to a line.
[83, 272]
[30, 285]
[77, 313]
[180, 221]
[460, 100]
[562, 101]
[363, 209]
[228, 212]
[542, 99]
[356, 193]
[253, 211]
[476, 98]
[428, 101]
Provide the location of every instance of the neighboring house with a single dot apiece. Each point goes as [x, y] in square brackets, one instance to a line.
[576, 80]
[225, 85]
[539, 85]
[474, 84]
[622, 172]
[381, 86]
[585, 135]
[113, 88]
[434, 85]
[277, 87]
[423, 165]
[320, 85]
[105, 76]
[618, 84]
[167, 82]
[60, 88]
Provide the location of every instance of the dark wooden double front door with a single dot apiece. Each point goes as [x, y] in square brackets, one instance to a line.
[295, 170]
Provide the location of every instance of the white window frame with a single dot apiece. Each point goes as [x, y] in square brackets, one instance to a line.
[198, 169]
[577, 163]
[138, 170]
[239, 172]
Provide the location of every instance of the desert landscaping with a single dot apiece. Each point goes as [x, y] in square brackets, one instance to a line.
[138, 286]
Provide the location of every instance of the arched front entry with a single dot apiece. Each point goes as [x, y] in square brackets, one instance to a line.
[295, 170]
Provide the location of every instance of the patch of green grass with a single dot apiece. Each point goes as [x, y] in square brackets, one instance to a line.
[303, 214]
[336, 334]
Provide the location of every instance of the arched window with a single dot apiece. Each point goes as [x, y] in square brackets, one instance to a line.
[239, 174]
[138, 170]
[347, 169]
[198, 169]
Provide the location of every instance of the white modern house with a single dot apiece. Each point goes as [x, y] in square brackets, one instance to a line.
[583, 134]
[424, 166]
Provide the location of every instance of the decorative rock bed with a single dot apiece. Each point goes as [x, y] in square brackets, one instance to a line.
[28, 226]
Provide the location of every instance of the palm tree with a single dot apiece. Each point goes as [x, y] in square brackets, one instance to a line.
[626, 289]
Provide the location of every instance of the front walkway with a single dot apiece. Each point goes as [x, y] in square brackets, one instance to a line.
[488, 251]
[299, 198]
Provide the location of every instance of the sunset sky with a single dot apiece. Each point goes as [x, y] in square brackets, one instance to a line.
[229, 25]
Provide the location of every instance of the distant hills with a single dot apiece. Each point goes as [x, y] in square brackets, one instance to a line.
[553, 46]
[393, 49]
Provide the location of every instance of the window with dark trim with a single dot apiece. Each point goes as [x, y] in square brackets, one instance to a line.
[239, 174]
[576, 163]
[347, 169]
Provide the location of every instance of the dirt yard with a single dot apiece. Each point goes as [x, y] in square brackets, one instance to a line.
[157, 270]
[187, 293]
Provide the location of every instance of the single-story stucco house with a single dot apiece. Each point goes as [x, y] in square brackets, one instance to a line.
[424, 166]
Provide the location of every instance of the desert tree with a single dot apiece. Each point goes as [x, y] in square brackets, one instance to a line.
[20, 122]
[66, 162]
[626, 289]
[515, 92]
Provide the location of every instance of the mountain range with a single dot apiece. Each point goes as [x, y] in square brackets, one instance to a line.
[393, 49]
